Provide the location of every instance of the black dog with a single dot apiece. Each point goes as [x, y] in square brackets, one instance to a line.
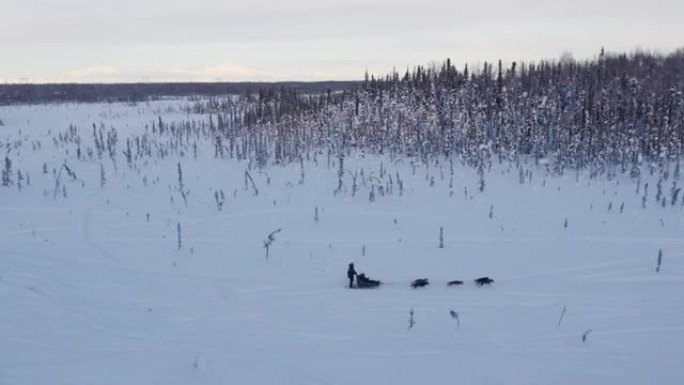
[421, 282]
[454, 283]
[484, 281]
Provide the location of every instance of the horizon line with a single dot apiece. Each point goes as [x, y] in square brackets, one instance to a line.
[472, 65]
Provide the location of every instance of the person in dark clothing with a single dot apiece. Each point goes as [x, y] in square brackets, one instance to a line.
[351, 273]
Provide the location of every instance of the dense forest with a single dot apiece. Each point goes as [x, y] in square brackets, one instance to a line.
[613, 110]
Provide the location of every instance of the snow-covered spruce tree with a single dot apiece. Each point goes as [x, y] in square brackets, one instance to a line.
[441, 237]
[355, 185]
[128, 153]
[659, 261]
[7, 172]
[181, 185]
[674, 193]
[480, 173]
[301, 170]
[103, 177]
[220, 199]
[340, 173]
[178, 236]
[219, 151]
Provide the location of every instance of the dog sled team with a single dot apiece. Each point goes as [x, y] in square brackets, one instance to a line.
[364, 282]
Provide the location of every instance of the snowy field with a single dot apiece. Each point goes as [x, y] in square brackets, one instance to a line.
[95, 289]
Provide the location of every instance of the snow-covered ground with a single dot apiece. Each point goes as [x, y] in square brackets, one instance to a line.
[94, 289]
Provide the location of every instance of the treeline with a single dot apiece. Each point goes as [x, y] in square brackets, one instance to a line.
[137, 92]
[613, 110]
[613, 113]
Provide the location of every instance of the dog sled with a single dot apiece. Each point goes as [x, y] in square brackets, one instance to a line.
[363, 282]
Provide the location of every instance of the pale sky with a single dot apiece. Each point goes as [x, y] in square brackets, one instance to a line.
[269, 40]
